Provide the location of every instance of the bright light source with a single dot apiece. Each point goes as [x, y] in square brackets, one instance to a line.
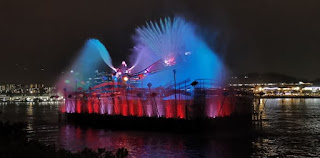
[71, 71]
[187, 53]
[170, 61]
[125, 78]
[124, 63]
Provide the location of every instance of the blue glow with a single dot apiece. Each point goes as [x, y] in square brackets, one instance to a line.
[176, 42]
[103, 52]
[84, 66]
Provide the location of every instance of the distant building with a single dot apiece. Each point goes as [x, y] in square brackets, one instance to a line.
[282, 89]
[18, 89]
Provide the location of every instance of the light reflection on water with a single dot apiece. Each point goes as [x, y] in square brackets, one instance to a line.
[292, 127]
[150, 144]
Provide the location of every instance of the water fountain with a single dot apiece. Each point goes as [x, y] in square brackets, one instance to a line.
[174, 74]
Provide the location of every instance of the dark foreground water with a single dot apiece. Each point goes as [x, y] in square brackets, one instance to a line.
[291, 127]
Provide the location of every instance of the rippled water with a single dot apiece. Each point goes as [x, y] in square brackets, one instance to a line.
[290, 127]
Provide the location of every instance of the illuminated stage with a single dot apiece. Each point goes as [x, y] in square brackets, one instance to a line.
[115, 98]
[175, 75]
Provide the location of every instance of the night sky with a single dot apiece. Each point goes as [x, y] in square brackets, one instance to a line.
[281, 36]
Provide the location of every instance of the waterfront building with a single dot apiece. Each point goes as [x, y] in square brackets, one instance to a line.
[300, 89]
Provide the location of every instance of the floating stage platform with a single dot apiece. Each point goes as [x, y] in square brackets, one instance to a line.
[174, 82]
[160, 109]
[234, 123]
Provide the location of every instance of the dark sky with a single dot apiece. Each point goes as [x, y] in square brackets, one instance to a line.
[280, 36]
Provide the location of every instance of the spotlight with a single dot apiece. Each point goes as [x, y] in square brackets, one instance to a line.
[125, 78]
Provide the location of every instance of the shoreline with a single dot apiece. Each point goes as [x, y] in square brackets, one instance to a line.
[293, 97]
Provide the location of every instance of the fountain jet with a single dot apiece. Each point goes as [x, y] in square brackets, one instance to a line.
[103, 52]
[176, 44]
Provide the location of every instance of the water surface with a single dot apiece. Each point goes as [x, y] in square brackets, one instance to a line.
[291, 127]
